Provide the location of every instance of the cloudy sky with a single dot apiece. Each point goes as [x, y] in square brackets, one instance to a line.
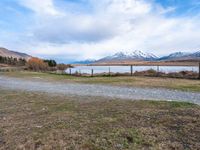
[69, 30]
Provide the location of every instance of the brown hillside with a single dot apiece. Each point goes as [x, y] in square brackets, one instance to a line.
[8, 53]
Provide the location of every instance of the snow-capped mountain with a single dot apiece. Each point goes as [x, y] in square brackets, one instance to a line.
[132, 55]
[142, 56]
[181, 56]
[196, 54]
[175, 56]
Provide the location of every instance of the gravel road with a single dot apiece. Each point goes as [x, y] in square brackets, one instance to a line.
[133, 93]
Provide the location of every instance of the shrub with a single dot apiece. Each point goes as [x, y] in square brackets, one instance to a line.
[37, 64]
[62, 67]
[51, 63]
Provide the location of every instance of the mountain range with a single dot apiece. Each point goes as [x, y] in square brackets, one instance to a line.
[121, 56]
[142, 56]
[134, 55]
[182, 56]
[8, 53]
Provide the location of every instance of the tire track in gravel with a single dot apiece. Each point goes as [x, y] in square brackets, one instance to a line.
[131, 93]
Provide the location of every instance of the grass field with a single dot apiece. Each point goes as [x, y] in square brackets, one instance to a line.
[40, 121]
[170, 83]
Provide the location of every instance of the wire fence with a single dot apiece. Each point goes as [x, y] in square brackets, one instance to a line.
[194, 72]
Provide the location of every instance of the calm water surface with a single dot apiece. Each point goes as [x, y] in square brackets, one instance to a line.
[126, 69]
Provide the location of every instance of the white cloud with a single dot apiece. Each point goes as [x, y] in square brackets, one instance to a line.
[41, 7]
[109, 26]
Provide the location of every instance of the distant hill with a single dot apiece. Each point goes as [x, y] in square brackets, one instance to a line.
[87, 61]
[8, 53]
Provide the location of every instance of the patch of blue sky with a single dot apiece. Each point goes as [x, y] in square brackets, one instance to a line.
[13, 16]
[74, 6]
[182, 8]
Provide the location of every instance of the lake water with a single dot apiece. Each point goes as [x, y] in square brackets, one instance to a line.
[126, 69]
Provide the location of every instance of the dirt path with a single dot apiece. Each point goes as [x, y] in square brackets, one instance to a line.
[134, 93]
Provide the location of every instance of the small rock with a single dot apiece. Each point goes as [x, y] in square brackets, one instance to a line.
[38, 126]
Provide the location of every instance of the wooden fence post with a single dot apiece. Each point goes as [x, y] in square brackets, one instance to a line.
[70, 71]
[109, 71]
[92, 73]
[80, 72]
[158, 70]
[131, 70]
[199, 70]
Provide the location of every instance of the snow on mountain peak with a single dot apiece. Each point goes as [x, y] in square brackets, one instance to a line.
[135, 54]
[178, 54]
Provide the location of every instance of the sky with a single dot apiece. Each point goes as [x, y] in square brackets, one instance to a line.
[72, 30]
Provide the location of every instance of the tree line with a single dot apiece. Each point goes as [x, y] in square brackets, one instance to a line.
[13, 61]
[34, 63]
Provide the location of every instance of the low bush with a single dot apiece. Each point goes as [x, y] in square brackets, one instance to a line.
[36, 64]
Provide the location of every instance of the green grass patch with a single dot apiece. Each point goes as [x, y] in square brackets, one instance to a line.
[182, 104]
[172, 104]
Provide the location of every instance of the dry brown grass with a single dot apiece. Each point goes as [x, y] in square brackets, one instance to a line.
[40, 121]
